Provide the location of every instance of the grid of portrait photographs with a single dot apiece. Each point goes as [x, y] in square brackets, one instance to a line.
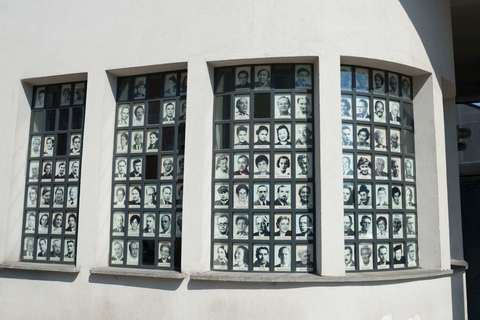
[379, 190]
[263, 208]
[148, 164]
[53, 173]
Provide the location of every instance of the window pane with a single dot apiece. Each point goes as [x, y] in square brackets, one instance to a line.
[408, 114]
[63, 119]
[262, 105]
[148, 253]
[224, 80]
[77, 118]
[222, 136]
[50, 120]
[222, 107]
[61, 144]
[181, 138]
[153, 112]
[168, 136]
[52, 96]
[124, 88]
[155, 87]
[37, 121]
[283, 76]
[151, 164]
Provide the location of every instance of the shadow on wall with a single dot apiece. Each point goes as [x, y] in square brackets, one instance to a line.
[41, 276]
[138, 282]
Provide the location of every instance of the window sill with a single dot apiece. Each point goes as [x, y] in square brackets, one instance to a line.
[42, 267]
[145, 273]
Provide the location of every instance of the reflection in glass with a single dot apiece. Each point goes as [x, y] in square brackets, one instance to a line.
[77, 118]
[123, 88]
[222, 108]
[52, 96]
[224, 80]
[408, 114]
[408, 142]
[37, 121]
[222, 136]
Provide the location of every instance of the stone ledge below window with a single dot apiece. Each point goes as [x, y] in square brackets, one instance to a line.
[42, 267]
[131, 272]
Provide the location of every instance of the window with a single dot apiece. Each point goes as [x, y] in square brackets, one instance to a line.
[380, 217]
[263, 191]
[53, 175]
[148, 163]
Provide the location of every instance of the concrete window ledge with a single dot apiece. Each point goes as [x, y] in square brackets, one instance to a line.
[42, 267]
[145, 273]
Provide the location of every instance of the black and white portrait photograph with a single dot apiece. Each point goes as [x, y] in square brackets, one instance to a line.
[363, 108]
[349, 225]
[383, 196]
[35, 146]
[365, 195]
[393, 84]
[304, 226]
[149, 224]
[304, 195]
[282, 135]
[122, 141]
[348, 195]
[282, 165]
[409, 169]
[57, 222]
[166, 172]
[410, 202]
[75, 144]
[261, 198]
[381, 167]
[120, 195]
[47, 170]
[72, 197]
[347, 138]
[347, 165]
[42, 252]
[262, 77]
[283, 104]
[411, 254]
[398, 255]
[137, 141]
[60, 169]
[365, 226]
[180, 165]
[283, 257]
[411, 223]
[261, 257]
[383, 256]
[166, 195]
[134, 225]
[182, 112]
[394, 115]
[139, 114]
[283, 195]
[123, 115]
[79, 93]
[241, 257]
[349, 257]
[304, 165]
[361, 76]
[220, 256]
[117, 252]
[48, 146]
[261, 226]
[30, 221]
[396, 168]
[240, 227]
[28, 248]
[346, 78]
[118, 224]
[165, 225]
[222, 226]
[170, 85]
[66, 95]
[40, 98]
[378, 82]
[221, 166]
[33, 171]
[242, 79]
[304, 135]
[183, 83]
[241, 162]
[120, 168]
[304, 257]
[303, 106]
[406, 93]
[169, 111]
[45, 192]
[379, 112]
[222, 195]
[153, 140]
[59, 196]
[383, 226]
[139, 88]
[135, 196]
[363, 137]
[366, 256]
[398, 226]
[395, 140]
[74, 170]
[364, 166]
[379, 136]
[283, 226]
[164, 254]
[240, 197]
[303, 76]
[71, 225]
[150, 196]
[43, 222]
[132, 252]
[262, 136]
[346, 106]
[262, 167]
[241, 138]
[55, 249]
[397, 196]
[242, 107]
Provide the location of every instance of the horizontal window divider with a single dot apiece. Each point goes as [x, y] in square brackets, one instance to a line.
[136, 272]
[42, 267]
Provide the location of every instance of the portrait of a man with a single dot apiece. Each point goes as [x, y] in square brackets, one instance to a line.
[283, 107]
[261, 196]
[365, 255]
[365, 226]
[242, 79]
[303, 77]
[284, 258]
[263, 77]
[223, 199]
[262, 257]
[283, 194]
[349, 255]
[221, 230]
[348, 225]
[262, 226]
[132, 257]
[166, 197]
[139, 116]
[305, 226]
[139, 88]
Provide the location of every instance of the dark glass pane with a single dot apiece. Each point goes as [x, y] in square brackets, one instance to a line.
[261, 105]
[77, 118]
[222, 107]
[155, 87]
[62, 143]
[181, 138]
[37, 121]
[153, 112]
[52, 96]
[222, 136]
[283, 77]
[178, 253]
[408, 114]
[50, 120]
[408, 142]
[63, 119]
[224, 80]
[151, 167]
[148, 252]
[123, 89]
[168, 135]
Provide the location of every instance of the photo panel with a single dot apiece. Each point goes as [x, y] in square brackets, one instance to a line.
[411, 254]
[379, 110]
[240, 196]
[165, 224]
[261, 257]
[282, 165]
[55, 249]
[35, 146]
[411, 225]
[262, 132]
[119, 198]
[304, 195]
[242, 78]
[71, 225]
[166, 195]
[361, 77]
[406, 88]
[383, 255]
[346, 106]
[365, 195]
[150, 196]
[262, 77]
[283, 226]
[304, 226]
[164, 254]
[170, 89]
[33, 171]
[75, 144]
[364, 166]
[166, 172]
[283, 257]
[347, 164]
[123, 115]
[241, 257]
[303, 76]
[363, 108]
[349, 256]
[122, 141]
[363, 137]
[60, 169]
[59, 196]
[398, 255]
[30, 221]
[241, 135]
[72, 197]
[396, 168]
[222, 225]
[393, 84]
[135, 196]
[283, 135]
[381, 167]
[397, 196]
[182, 111]
[39, 98]
[409, 167]
[120, 168]
[49, 144]
[28, 248]
[132, 252]
[262, 165]
[149, 224]
[366, 256]
[304, 135]
[221, 165]
[304, 165]
[153, 140]
[242, 107]
[46, 194]
[380, 134]
[79, 93]
[348, 195]
[304, 255]
[283, 195]
[303, 106]
[153, 112]
[42, 248]
[408, 142]
[349, 225]
[382, 196]
[261, 198]
[378, 82]
[179, 193]
[183, 83]
[43, 222]
[410, 197]
[365, 226]
[169, 108]
[261, 226]
[222, 195]
[180, 165]
[137, 141]
[398, 225]
[346, 78]
[118, 223]
[241, 165]
[74, 170]
[394, 115]
[134, 223]
[241, 226]
[138, 114]
[220, 256]
[117, 251]
[383, 226]
[47, 170]
[347, 137]
[283, 106]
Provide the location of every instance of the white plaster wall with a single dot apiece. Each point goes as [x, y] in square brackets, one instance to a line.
[47, 41]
